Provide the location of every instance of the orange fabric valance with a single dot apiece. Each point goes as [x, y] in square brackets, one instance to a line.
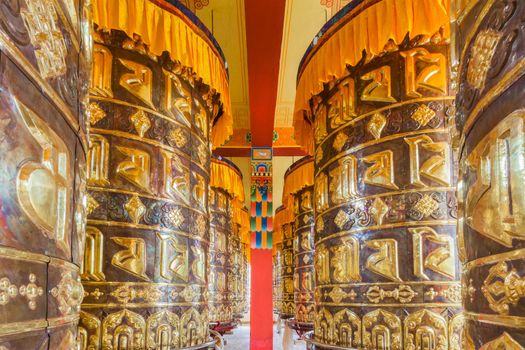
[167, 29]
[369, 27]
[224, 176]
[282, 216]
[300, 176]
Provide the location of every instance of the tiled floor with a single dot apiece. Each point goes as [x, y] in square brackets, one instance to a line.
[240, 340]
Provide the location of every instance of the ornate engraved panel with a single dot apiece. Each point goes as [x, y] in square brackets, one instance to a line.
[491, 122]
[387, 274]
[146, 263]
[43, 146]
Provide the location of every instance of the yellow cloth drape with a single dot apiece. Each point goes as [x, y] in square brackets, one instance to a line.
[167, 29]
[371, 29]
[282, 216]
[301, 176]
[224, 176]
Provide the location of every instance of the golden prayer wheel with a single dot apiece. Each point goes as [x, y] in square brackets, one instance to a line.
[219, 288]
[491, 120]
[44, 77]
[245, 254]
[304, 283]
[236, 275]
[287, 273]
[224, 282]
[278, 296]
[145, 271]
[298, 198]
[386, 266]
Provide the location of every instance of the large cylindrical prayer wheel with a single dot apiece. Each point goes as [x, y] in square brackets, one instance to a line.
[146, 264]
[386, 266]
[44, 77]
[225, 249]
[287, 272]
[244, 288]
[278, 293]
[298, 198]
[245, 256]
[219, 288]
[304, 255]
[491, 119]
[236, 274]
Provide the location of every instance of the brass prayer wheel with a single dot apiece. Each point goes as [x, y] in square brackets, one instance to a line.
[287, 273]
[245, 254]
[491, 120]
[219, 287]
[146, 263]
[387, 274]
[304, 283]
[44, 77]
[225, 249]
[244, 288]
[278, 293]
[236, 274]
[298, 198]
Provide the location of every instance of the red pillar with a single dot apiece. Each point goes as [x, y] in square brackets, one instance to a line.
[261, 313]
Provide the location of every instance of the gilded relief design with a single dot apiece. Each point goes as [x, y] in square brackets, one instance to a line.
[40, 20]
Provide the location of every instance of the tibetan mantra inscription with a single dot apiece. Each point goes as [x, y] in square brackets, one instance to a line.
[304, 255]
[386, 266]
[43, 149]
[219, 283]
[145, 267]
[491, 118]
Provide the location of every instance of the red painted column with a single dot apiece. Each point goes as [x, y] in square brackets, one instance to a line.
[261, 321]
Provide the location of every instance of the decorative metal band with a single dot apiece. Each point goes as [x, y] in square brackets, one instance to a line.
[304, 256]
[386, 266]
[145, 265]
[491, 119]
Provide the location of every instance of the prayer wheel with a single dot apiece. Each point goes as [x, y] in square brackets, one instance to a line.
[225, 248]
[236, 274]
[278, 296]
[245, 262]
[287, 272]
[146, 265]
[387, 274]
[304, 256]
[44, 78]
[298, 198]
[244, 279]
[220, 290]
[491, 120]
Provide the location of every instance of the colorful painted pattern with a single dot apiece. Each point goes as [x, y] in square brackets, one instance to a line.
[261, 222]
